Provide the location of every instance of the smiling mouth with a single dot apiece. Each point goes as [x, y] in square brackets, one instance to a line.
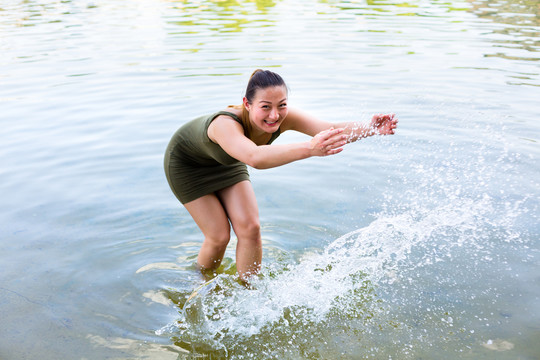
[271, 122]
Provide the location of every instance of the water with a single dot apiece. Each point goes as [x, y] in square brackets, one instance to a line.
[419, 245]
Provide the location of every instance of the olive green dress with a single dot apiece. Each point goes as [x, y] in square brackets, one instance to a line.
[195, 166]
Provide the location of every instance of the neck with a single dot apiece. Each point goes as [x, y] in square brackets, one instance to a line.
[260, 137]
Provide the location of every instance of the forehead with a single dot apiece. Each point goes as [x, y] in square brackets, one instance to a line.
[271, 94]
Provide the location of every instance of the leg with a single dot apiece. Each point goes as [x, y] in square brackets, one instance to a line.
[211, 218]
[241, 207]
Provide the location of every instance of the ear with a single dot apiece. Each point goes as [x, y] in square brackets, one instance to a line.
[246, 103]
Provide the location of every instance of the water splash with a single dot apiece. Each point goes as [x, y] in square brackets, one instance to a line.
[352, 291]
[417, 278]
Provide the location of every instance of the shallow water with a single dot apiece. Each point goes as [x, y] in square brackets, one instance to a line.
[420, 245]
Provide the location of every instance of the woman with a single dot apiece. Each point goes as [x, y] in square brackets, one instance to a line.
[205, 163]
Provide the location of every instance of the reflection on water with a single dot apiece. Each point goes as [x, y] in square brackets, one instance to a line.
[223, 16]
[511, 12]
[521, 20]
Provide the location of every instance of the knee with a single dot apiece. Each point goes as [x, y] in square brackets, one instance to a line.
[248, 228]
[220, 238]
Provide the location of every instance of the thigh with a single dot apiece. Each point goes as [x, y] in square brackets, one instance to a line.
[210, 216]
[240, 204]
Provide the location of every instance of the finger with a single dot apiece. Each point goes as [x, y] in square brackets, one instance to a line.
[336, 145]
[336, 140]
[331, 133]
[336, 131]
[335, 151]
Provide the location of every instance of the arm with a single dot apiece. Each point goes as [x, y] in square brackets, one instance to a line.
[381, 124]
[230, 136]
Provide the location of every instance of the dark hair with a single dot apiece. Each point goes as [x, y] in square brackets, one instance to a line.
[260, 79]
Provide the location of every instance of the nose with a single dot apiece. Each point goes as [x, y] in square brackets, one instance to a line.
[274, 114]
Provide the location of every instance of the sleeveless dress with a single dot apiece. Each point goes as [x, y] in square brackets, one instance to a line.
[196, 166]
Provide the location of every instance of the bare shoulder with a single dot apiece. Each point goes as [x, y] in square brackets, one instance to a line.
[235, 110]
[224, 126]
[232, 110]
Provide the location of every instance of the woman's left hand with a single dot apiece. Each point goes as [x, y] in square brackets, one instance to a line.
[384, 124]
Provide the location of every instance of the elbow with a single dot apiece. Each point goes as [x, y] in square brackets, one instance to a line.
[259, 165]
[255, 162]
[259, 162]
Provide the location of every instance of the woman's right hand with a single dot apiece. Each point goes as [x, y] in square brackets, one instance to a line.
[328, 142]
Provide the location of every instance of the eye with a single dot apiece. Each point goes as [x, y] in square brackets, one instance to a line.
[284, 105]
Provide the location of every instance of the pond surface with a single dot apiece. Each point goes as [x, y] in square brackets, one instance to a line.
[425, 244]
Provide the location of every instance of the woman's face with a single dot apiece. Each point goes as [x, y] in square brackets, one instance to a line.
[268, 108]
